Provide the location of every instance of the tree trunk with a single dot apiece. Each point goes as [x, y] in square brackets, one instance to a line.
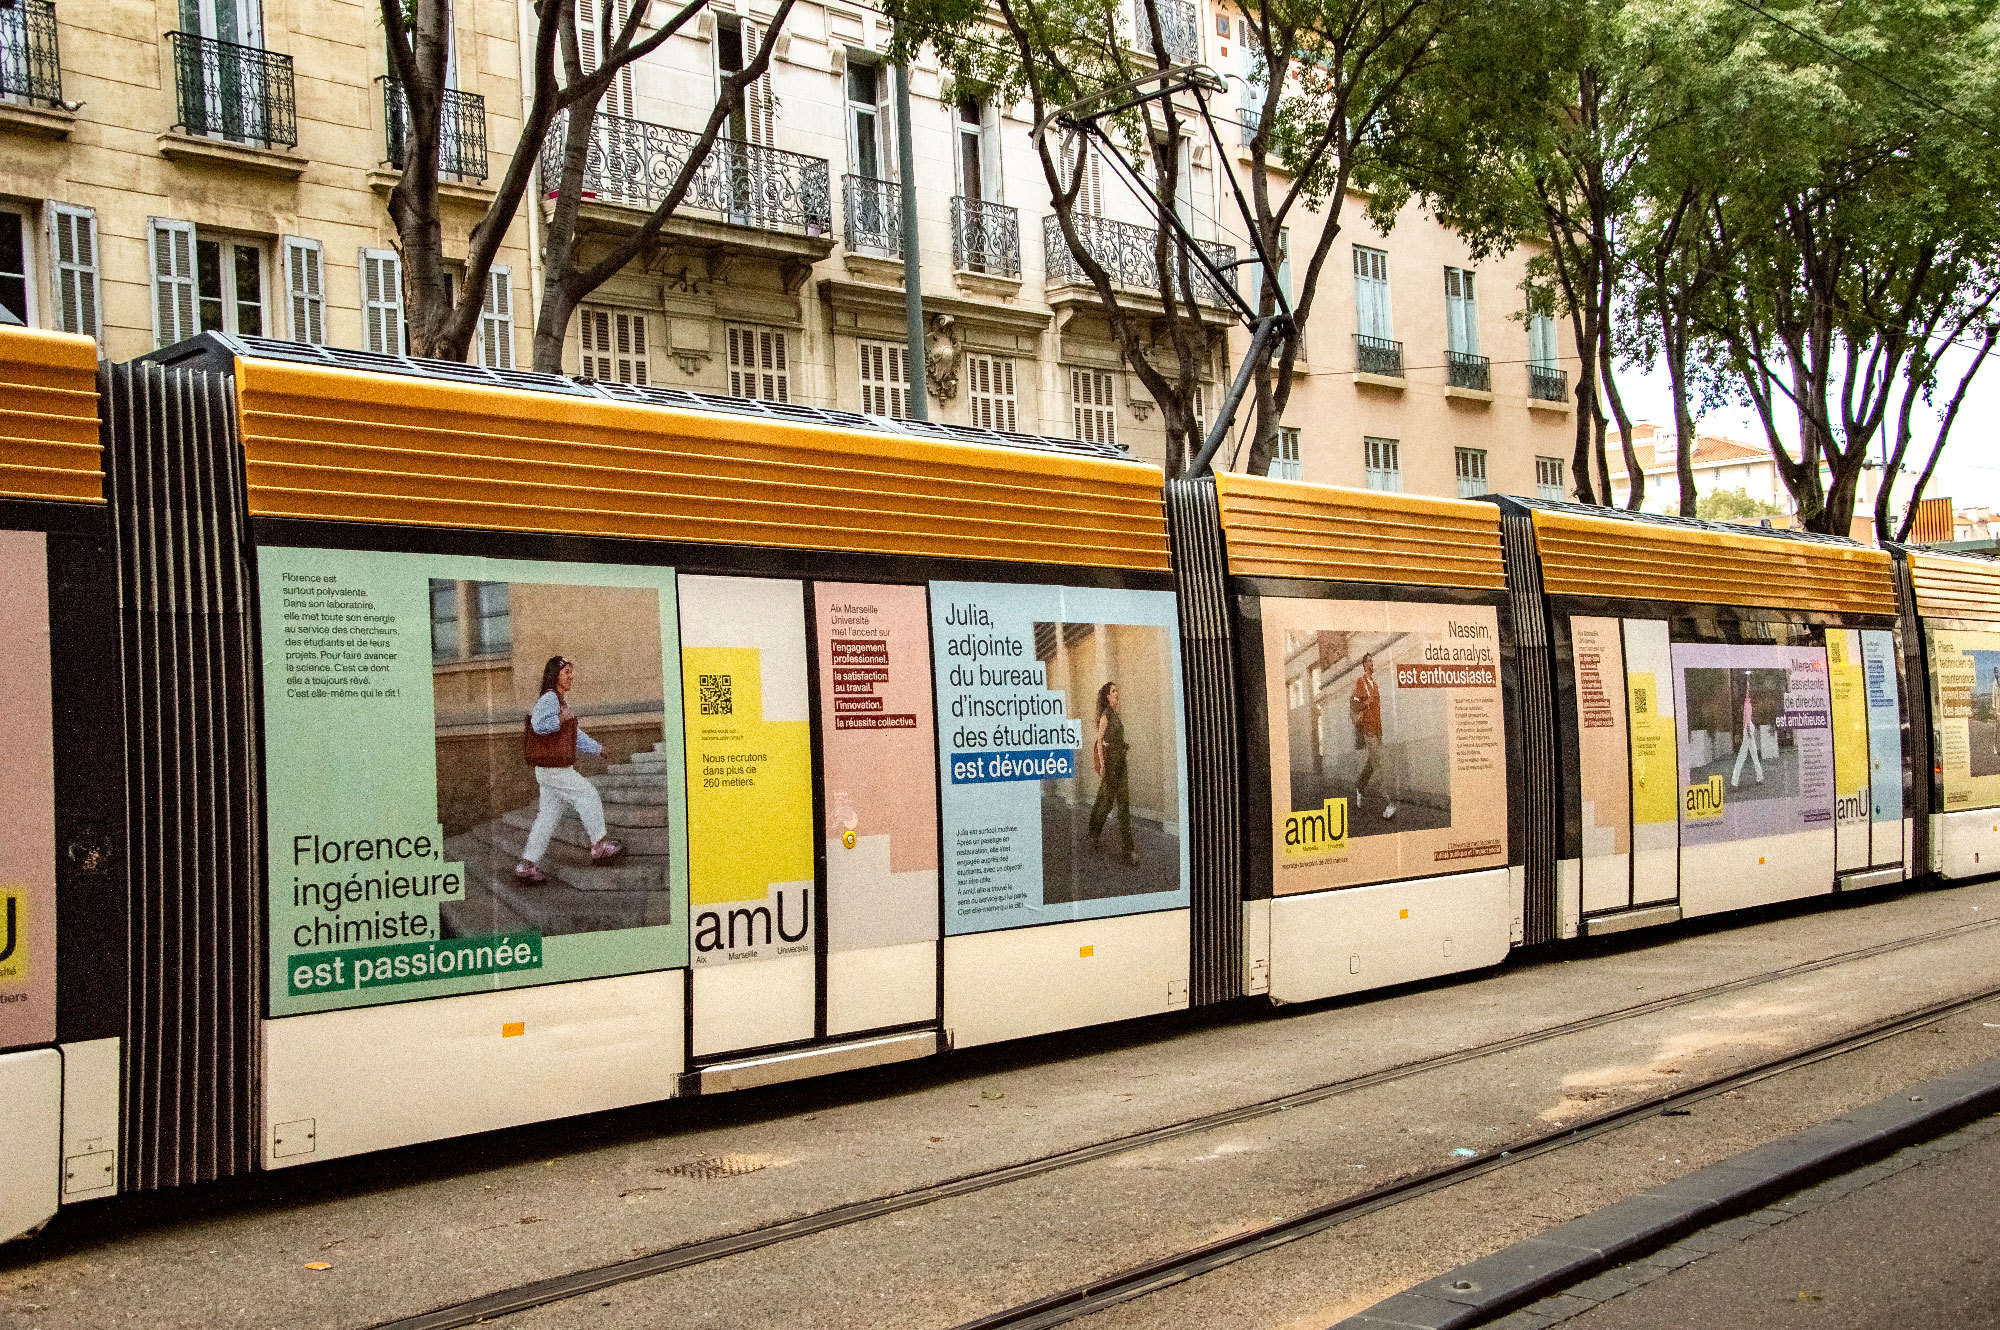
[1684, 427]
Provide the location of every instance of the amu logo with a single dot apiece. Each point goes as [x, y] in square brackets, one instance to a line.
[1318, 831]
[746, 927]
[13, 946]
[1703, 801]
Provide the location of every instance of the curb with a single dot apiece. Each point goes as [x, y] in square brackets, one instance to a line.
[1515, 1276]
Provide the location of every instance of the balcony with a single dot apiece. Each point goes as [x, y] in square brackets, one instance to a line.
[237, 93]
[1180, 26]
[1468, 372]
[633, 163]
[985, 238]
[1548, 384]
[874, 218]
[1128, 255]
[461, 131]
[1378, 356]
[30, 64]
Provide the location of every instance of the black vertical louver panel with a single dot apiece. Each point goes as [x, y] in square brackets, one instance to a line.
[1919, 757]
[1542, 820]
[1215, 820]
[174, 474]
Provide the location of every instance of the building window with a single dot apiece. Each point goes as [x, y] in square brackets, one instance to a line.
[1382, 460]
[979, 150]
[305, 290]
[865, 119]
[1287, 464]
[496, 321]
[614, 346]
[1371, 293]
[759, 366]
[382, 301]
[15, 287]
[204, 283]
[1461, 314]
[990, 390]
[470, 621]
[885, 382]
[1541, 342]
[1549, 478]
[1472, 473]
[1093, 417]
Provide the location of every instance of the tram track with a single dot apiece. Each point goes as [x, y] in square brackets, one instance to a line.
[1140, 1280]
[1164, 1272]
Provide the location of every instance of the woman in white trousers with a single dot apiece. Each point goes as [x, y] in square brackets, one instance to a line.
[551, 740]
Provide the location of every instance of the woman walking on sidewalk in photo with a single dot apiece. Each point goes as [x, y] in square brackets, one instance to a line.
[550, 740]
[1114, 786]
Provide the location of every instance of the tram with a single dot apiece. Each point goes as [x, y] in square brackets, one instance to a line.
[430, 750]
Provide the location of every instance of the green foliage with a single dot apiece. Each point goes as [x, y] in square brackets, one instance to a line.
[1732, 505]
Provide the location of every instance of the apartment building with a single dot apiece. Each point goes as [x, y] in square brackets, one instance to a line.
[171, 166]
[191, 164]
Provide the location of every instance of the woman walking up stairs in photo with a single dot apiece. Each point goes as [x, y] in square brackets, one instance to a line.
[550, 740]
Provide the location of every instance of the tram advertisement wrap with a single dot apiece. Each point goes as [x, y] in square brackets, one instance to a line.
[878, 746]
[749, 768]
[1965, 695]
[455, 746]
[1387, 756]
[1060, 741]
[27, 773]
[1598, 658]
[1756, 741]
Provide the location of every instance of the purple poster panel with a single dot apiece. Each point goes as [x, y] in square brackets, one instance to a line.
[1756, 741]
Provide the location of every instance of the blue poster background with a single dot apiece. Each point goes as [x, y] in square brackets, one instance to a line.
[1021, 671]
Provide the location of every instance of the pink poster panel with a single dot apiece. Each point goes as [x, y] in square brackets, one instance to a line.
[879, 753]
[27, 774]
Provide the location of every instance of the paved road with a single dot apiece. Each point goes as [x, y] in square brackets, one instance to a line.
[1914, 1248]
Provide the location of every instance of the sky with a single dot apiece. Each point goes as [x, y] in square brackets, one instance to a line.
[1968, 474]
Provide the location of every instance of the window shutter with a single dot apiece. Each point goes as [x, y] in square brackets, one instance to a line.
[305, 291]
[1371, 293]
[595, 326]
[990, 178]
[1094, 419]
[382, 301]
[760, 104]
[73, 252]
[633, 362]
[172, 251]
[1461, 316]
[496, 320]
[885, 383]
[990, 392]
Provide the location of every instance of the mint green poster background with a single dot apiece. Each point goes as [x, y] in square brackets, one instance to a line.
[351, 738]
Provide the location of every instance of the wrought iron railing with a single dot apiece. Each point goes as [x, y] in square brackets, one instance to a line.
[234, 92]
[1127, 253]
[1548, 384]
[1463, 370]
[985, 237]
[30, 64]
[874, 215]
[1180, 27]
[1378, 355]
[461, 130]
[635, 163]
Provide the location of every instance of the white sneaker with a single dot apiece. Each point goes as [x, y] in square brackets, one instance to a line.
[1388, 812]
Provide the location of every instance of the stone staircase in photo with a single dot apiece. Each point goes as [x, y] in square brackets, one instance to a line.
[578, 897]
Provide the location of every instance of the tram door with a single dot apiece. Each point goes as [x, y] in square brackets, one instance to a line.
[782, 955]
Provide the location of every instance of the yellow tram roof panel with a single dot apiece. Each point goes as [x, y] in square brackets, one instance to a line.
[1591, 554]
[49, 443]
[1955, 586]
[1289, 528]
[344, 444]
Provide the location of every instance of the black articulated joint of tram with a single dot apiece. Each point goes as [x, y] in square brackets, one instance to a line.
[193, 760]
[1215, 733]
[1538, 805]
[1921, 796]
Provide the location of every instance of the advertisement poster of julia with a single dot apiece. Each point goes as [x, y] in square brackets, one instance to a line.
[1756, 740]
[1060, 744]
[474, 776]
[1965, 690]
[1386, 742]
[27, 774]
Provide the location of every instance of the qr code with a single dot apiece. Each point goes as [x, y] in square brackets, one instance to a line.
[715, 695]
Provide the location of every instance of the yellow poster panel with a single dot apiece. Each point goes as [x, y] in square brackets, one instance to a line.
[1655, 770]
[749, 771]
[1965, 688]
[1850, 747]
